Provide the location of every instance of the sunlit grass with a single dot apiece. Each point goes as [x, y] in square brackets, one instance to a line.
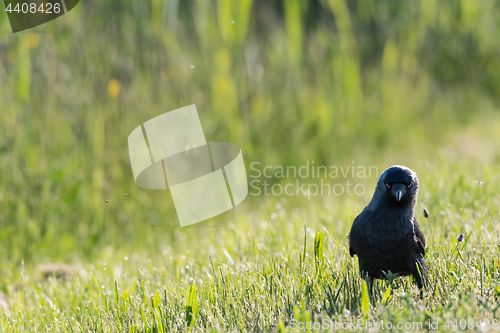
[256, 273]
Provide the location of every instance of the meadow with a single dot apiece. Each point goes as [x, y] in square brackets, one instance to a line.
[368, 83]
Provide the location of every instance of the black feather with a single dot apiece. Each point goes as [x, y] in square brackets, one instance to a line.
[386, 235]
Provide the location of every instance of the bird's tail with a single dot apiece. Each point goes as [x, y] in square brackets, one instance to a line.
[422, 274]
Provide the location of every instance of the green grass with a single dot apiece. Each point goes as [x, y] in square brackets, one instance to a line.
[333, 81]
[260, 273]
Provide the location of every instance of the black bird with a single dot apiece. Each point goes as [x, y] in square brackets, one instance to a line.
[386, 235]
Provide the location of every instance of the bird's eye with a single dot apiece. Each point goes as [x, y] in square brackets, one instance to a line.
[409, 186]
[388, 186]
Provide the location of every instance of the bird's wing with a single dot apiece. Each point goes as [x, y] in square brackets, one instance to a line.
[419, 237]
[354, 235]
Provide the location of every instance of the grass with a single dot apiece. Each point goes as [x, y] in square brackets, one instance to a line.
[261, 273]
[331, 81]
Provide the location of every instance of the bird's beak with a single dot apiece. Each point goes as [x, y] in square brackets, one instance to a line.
[398, 190]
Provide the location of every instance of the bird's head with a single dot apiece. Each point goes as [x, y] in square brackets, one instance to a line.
[398, 185]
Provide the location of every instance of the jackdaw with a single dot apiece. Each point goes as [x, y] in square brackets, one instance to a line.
[386, 235]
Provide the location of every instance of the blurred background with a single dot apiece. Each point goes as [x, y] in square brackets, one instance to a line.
[334, 81]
